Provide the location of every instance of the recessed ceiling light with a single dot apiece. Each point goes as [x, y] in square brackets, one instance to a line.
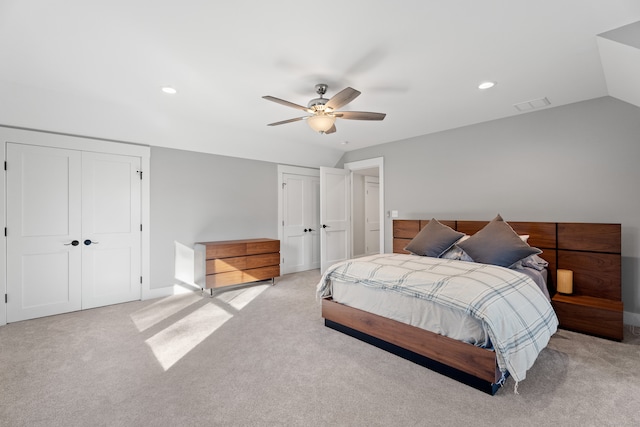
[169, 90]
[486, 85]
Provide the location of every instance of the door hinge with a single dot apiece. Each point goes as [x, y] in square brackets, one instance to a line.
[140, 279]
[283, 222]
[283, 184]
[140, 172]
[5, 232]
[6, 299]
[140, 227]
[5, 165]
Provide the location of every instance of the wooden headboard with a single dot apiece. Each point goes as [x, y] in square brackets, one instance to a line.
[592, 251]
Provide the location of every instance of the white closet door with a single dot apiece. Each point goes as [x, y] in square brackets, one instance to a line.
[73, 230]
[43, 218]
[313, 215]
[293, 247]
[300, 246]
[110, 229]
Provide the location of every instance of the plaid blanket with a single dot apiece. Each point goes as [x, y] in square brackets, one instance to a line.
[518, 317]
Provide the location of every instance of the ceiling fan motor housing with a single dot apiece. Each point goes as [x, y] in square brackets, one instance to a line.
[318, 103]
[321, 89]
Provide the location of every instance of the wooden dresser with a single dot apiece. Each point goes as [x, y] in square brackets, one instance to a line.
[231, 262]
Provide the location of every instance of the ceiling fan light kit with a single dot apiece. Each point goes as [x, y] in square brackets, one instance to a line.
[321, 122]
[323, 111]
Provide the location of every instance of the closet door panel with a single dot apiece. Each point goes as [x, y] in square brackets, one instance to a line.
[43, 219]
[111, 229]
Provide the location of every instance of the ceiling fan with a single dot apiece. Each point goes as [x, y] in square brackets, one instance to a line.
[323, 111]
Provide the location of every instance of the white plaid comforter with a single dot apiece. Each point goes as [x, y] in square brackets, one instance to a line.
[518, 317]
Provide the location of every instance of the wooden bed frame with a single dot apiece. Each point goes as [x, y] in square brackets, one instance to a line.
[591, 250]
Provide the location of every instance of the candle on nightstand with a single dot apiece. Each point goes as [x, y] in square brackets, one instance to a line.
[565, 281]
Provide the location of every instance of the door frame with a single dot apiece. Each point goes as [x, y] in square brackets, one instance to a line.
[74, 142]
[352, 166]
[368, 164]
[368, 180]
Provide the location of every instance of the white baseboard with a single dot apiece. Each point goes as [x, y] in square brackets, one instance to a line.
[157, 293]
[178, 288]
[631, 318]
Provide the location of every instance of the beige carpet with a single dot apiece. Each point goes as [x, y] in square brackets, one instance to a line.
[261, 356]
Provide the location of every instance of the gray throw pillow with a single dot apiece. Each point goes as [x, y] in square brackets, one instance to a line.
[433, 240]
[497, 244]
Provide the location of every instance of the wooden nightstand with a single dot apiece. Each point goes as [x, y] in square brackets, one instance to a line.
[594, 316]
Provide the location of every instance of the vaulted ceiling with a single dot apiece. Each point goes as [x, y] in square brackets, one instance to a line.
[96, 68]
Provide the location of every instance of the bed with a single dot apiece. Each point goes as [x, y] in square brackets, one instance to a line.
[473, 352]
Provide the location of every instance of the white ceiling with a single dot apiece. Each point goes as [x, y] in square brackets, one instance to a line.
[95, 68]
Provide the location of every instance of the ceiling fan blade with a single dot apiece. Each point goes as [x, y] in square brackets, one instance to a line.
[341, 98]
[359, 115]
[287, 121]
[287, 103]
[332, 129]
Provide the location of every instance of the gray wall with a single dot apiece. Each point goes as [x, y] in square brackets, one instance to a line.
[204, 197]
[571, 163]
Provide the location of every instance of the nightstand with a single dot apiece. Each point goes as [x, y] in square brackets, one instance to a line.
[594, 316]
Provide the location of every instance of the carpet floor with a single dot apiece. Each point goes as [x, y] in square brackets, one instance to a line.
[261, 356]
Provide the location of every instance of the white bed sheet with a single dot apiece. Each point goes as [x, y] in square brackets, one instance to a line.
[417, 312]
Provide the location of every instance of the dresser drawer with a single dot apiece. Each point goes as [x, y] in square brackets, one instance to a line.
[222, 265]
[262, 247]
[226, 250]
[241, 247]
[242, 276]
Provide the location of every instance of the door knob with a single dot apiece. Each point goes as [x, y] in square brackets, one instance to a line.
[72, 243]
[305, 230]
[88, 242]
[325, 226]
[311, 229]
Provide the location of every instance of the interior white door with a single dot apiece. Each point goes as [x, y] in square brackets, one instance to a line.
[73, 230]
[372, 215]
[314, 218]
[111, 233]
[335, 215]
[300, 246]
[43, 219]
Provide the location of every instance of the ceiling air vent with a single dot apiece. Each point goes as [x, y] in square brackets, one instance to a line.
[532, 105]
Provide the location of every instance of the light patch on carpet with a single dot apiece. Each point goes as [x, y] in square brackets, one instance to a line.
[240, 299]
[160, 310]
[174, 342]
